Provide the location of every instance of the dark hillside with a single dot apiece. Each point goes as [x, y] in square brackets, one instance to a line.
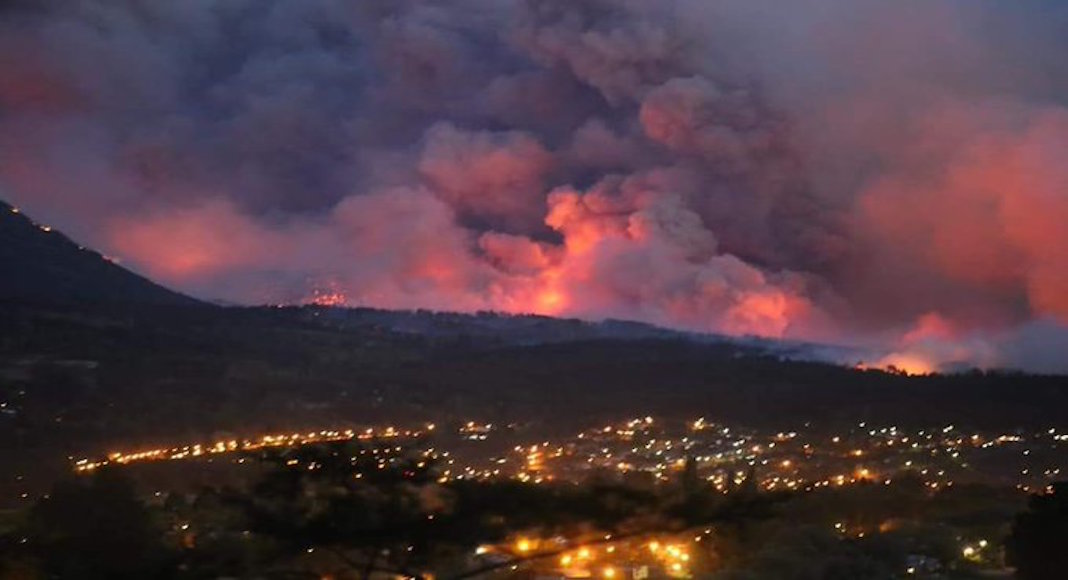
[40, 265]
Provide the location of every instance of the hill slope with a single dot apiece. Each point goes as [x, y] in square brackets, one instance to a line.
[44, 266]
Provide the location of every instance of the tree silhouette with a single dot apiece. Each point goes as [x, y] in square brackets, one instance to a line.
[95, 527]
[350, 511]
[1038, 544]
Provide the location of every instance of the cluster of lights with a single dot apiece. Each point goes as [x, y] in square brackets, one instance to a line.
[611, 559]
[42, 227]
[475, 431]
[974, 552]
[228, 446]
[784, 460]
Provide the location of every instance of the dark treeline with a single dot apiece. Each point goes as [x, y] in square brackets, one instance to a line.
[83, 380]
[118, 373]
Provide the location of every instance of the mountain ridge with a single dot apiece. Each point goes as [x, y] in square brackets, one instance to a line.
[41, 265]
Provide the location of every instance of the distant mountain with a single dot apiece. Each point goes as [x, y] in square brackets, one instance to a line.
[94, 354]
[40, 265]
[496, 328]
[499, 328]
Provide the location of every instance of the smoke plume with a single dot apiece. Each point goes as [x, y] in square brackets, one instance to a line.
[883, 174]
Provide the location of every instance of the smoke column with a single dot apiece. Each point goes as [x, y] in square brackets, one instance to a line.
[881, 174]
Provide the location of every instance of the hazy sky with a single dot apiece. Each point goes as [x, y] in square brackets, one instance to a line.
[886, 174]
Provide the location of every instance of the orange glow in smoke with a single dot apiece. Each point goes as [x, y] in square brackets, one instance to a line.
[549, 301]
[761, 314]
[614, 256]
[930, 326]
[907, 363]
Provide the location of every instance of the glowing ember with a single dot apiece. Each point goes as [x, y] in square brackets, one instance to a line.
[328, 293]
[902, 363]
[327, 298]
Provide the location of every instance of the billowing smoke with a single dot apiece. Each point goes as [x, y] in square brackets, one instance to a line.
[878, 173]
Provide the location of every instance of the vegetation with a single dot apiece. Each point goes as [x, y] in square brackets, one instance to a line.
[346, 511]
[92, 355]
[1038, 545]
[341, 511]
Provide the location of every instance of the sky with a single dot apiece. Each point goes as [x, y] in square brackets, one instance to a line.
[886, 175]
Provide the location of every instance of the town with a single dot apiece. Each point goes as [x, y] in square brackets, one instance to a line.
[659, 455]
[645, 451]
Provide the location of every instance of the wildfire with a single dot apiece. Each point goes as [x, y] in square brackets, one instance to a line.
[329, 299]
[332, 295]
[906, 363]
[901, 363]
[549, 301]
